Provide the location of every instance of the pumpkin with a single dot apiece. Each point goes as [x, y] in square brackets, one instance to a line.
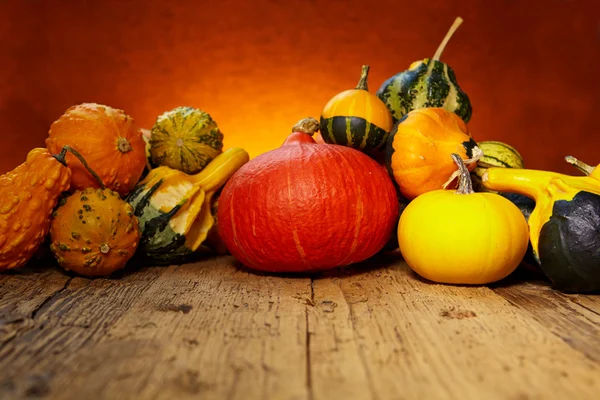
[495, 154]
[94, 232]
[462, 237]
[307, 207]
[419, 149]
[426, 83]
[564, 224]
[28, 194]
[186, 139]
[109, 141]
[356, 118]
[175, 209]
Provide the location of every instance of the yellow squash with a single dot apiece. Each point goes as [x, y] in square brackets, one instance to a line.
[545, 187]
[462, 237]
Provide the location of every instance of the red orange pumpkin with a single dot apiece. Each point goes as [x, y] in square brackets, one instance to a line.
[306, 206]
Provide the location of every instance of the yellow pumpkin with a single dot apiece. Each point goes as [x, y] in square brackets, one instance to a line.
[462, 237]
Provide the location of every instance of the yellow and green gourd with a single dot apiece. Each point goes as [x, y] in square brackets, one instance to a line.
[564, 224]
[186, 139]
[174, 209]
[356, 118]
[495, 154]
[426, 83]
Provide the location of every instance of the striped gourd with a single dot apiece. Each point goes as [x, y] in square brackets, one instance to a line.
[356, 118]
[186, 139]
[495, 154]
[426, 83]
[174, 208]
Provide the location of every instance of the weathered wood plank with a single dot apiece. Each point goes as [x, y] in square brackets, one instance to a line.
[206, 330]
[573, 318]
[404, 338]
[22, 294]
[60, 314]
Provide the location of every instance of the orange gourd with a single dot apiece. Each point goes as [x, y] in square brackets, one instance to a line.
[419, 150]
[94, 232]
[28, 194]
[108, 139]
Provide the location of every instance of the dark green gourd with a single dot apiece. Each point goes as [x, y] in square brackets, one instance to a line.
[426, 83]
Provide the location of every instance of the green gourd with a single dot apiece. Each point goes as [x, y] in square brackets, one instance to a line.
[426, 83]
[186, 139]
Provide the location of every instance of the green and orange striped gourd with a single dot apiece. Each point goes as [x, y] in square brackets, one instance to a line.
[356, 118]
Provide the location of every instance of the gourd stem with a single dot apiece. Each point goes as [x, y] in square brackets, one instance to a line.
[477, 153]
[580, 165]
[61, 159]
[442, 45]
[465, 185]
[307, 125]
[123, 145]
[364, 75]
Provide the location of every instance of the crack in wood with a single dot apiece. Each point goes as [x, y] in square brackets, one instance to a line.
[50, 300]
[309, 384]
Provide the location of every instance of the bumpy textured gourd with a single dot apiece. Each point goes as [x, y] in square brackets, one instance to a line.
[186, 139]
[94, 232]
[28, 194]
[426, 83]
[174, 208]
[564, 224]
[462, 237]
[356, 118]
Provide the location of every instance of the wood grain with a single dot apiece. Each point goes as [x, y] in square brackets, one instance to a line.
[214, 330]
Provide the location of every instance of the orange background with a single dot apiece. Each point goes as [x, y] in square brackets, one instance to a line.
[531, 68]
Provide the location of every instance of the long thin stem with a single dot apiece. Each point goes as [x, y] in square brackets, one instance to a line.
[61, 159]
[442, 45]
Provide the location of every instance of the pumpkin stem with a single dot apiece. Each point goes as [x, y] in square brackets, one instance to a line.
[123, 145]
[580, 165]
[442, 45]
[307, 125]
[465, 185]
[61, 159]
[477, 153]
[104, 248]
[364, 75]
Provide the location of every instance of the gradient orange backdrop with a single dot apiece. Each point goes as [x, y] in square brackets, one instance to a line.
[531, 68]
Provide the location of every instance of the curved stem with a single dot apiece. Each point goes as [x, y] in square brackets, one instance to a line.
[477, 154]
[61, 159]
[446, 39]
[580, 165]
[465, 185]
[364, 75]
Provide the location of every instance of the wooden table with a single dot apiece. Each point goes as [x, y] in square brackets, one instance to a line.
[213, 330]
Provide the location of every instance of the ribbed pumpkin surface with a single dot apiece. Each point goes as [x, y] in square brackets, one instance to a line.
[307, 206]
[107, 138]
[186, 139]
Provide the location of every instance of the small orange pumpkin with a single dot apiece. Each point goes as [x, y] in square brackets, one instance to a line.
[108, 139]
[94, 232]
[420, 147]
